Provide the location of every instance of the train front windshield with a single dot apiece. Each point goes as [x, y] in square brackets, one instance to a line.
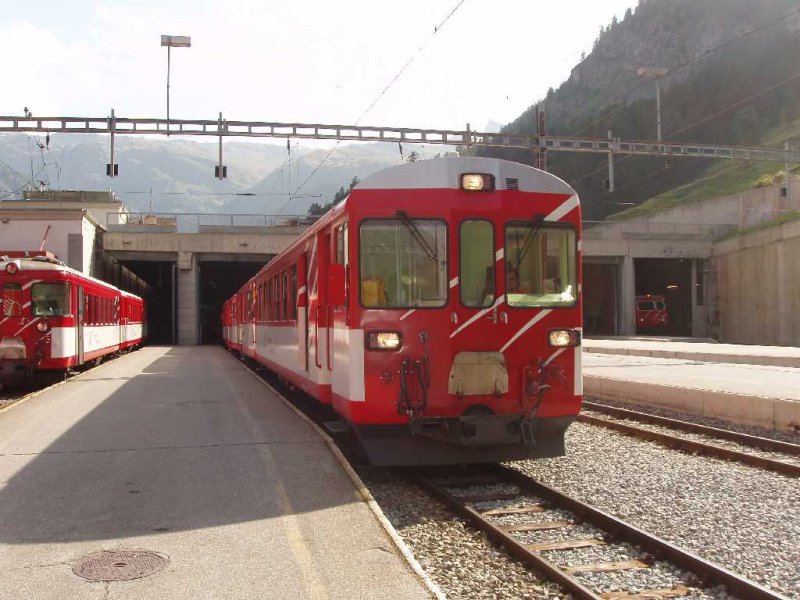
[541, 265]
[50, 299]
[403, 263]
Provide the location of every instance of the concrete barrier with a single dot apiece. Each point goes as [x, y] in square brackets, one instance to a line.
[771, 413]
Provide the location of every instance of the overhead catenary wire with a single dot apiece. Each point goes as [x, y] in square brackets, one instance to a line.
[394, 79]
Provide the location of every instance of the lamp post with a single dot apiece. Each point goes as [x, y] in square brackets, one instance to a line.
[655, 73]
[173, 41]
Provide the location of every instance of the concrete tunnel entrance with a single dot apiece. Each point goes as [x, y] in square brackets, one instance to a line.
[161, 298]
[217, 281]
[671, 278]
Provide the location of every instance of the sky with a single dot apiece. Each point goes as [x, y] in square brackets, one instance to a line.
[301, 61]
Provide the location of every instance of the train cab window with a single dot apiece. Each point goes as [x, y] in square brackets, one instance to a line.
[403, 263]
[50, 299]
[541, 265]
[476, 263]
[12, 300]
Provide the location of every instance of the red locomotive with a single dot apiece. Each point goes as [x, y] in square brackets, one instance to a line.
[54, 318]
[651, 312]
[437, 309]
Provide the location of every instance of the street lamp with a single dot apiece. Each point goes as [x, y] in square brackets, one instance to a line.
[173, 41]
[655, 73]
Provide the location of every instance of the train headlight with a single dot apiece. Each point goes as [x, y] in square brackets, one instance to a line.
[477, 182]
[384, 340]
[43, 326]
[12, 268]
[563, 338]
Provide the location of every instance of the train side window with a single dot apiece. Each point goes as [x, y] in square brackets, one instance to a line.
[340, 240]
[285, 296]
[476, 263]
[270, 309]
[278, 297]
[12, 300]
[293, 299]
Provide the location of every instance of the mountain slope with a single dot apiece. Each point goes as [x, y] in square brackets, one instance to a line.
[733, 79]
[180, 172]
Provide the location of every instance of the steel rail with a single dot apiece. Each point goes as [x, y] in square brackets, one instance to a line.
[681, 443]
[734, 436]
[502, 538]
[710, 573]
[707, 572]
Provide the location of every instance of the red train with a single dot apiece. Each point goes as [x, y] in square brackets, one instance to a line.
[54, 318]
[438, 309]
[651, 312]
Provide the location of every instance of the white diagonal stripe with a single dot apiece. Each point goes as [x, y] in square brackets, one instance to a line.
[453, 282]
[408, 313]
[477, 316]
[499, 254]
[553, 355]
[527, 326]
[26, 326]
[562, 210]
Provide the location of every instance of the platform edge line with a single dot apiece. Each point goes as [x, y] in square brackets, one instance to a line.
[401, 546]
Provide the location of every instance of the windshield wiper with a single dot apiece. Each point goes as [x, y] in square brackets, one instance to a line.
[533, 230]
[415, 233]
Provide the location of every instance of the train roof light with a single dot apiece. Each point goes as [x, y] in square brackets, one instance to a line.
[477, 182]
[12, 268]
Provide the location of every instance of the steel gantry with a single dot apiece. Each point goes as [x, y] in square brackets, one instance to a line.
[113, 125]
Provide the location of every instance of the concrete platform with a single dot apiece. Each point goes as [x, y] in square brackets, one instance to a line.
[180, 451]
[766, 396]
[695, 349]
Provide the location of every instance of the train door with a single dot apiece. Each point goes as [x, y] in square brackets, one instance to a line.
[327, 309]
[478, 319]
[303, 320]
[79, 322]
[337, 298]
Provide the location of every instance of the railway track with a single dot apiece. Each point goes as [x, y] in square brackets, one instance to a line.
[764, 453]
[575, 545]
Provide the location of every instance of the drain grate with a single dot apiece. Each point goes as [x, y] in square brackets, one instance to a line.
[119, 565]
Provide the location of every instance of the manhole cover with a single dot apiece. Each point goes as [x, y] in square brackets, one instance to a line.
[119, 565]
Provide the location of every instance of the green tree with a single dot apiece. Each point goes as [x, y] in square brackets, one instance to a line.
[317, 209]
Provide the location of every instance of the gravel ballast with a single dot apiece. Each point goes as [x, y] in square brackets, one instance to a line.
[744, 519]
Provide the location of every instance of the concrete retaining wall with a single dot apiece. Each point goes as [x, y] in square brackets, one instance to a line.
[756, 282]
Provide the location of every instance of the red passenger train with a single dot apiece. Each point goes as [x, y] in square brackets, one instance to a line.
[54, 318]
[651, 312]
[437, 309]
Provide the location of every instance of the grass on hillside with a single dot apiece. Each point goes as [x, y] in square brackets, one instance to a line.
[722, 179]
[784, 218]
